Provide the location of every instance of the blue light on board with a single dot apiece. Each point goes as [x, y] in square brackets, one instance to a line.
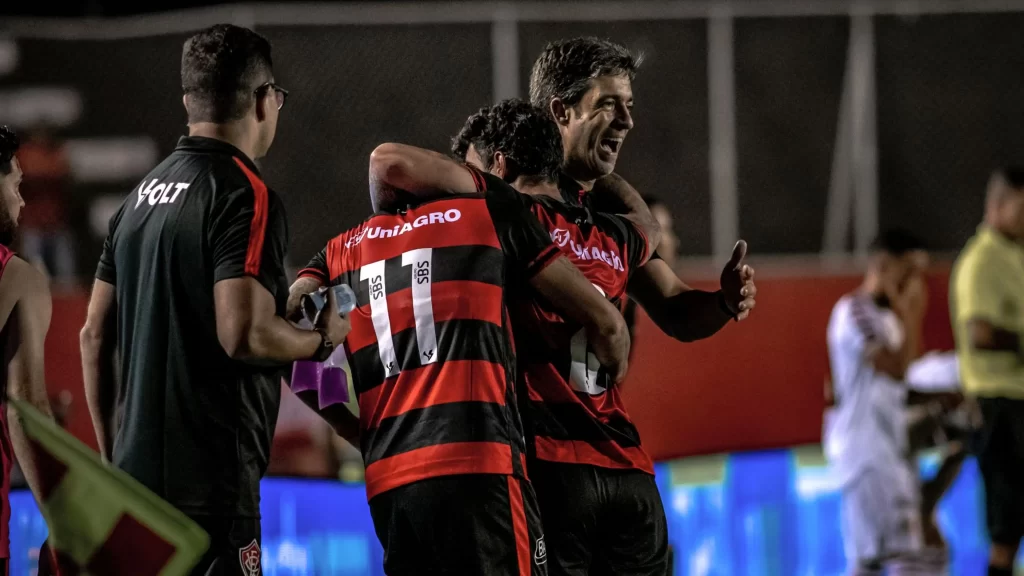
[764, 513]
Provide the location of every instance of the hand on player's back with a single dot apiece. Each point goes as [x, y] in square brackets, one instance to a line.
[336, 325]
[737, 282]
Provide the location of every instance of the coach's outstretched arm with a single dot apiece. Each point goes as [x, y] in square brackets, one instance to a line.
[687, 314]
[26, 308]
[680, 311]
[249, 328]
[402, 174]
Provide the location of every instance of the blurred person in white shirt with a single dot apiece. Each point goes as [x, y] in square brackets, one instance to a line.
[873, 337]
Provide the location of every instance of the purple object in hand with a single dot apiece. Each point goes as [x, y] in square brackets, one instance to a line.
[333, 386]
[306, 375]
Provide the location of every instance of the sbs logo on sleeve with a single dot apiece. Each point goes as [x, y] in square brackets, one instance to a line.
[448, 216]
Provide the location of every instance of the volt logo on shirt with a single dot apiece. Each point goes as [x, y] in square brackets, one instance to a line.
[157, 192]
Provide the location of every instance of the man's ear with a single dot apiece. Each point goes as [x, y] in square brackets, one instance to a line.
[559, 111]
[498, 165]
[263, 100]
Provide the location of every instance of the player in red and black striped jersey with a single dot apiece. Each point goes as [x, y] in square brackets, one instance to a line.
[432, 358]
[585, 84]
[586, 452]
[583, 444]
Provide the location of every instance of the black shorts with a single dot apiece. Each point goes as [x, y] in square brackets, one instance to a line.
[458, 525]
[999, 447]
[235, 547]
[601, 521]
[234, 550]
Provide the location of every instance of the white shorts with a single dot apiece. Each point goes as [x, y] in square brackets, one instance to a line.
[881, 516]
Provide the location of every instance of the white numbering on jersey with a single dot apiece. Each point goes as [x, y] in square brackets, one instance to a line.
[422, 305]
[584, 371]
[374, 275]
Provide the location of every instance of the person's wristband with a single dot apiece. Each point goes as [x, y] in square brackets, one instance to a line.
[326, 348]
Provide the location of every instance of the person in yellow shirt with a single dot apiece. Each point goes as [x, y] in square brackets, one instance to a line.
[987, 311]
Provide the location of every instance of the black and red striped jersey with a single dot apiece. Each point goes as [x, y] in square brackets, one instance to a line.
[572, 412]
[431, 351]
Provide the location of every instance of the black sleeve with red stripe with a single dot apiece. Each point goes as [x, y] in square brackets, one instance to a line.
[526, 244]
[317, 267]
[249, 236]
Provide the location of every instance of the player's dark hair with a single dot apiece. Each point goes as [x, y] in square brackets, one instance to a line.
[221, 68]
[524, 133]
[9, 143]
[1012, 175]
[897, 242]
[565, 68]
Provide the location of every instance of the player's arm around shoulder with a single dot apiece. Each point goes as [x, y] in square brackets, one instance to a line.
[616, 190]
[400, 173]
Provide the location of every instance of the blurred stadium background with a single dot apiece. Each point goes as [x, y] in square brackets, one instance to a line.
[803, 126]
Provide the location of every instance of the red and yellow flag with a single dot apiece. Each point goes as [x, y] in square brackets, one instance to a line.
[101, 520]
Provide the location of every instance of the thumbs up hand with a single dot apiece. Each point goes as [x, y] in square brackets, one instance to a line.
[738, 290]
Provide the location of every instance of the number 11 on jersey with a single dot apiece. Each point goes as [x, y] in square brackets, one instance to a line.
[420, 262]
[422, 304]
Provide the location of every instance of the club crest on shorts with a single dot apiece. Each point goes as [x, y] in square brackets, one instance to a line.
[540, 552]
[250, 558]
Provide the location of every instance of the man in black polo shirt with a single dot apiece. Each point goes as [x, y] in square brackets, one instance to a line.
[192, 276]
